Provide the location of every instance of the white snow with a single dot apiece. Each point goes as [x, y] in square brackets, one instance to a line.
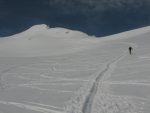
[56, 70]
[40, 40]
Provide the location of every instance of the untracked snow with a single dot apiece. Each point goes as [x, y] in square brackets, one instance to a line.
[56, 70]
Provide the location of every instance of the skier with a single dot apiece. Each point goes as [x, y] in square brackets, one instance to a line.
[130, 50]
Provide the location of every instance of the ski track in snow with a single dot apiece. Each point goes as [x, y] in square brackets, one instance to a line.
[83, 101]
[2, 83]
[138, 83]
[87, 106]
[30, 107]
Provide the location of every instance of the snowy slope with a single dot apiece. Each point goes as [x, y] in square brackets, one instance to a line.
[40, 40]
[56, 70]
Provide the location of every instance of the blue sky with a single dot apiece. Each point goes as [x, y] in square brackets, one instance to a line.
[94, 17]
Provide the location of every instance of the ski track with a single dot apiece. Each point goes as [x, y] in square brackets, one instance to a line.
[2, 83]
[87, 105]
[30, 107]
[45, 105]
[129, 83]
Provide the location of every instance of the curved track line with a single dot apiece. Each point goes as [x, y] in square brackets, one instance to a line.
[2, 83]
[87, 106]
[30, 107]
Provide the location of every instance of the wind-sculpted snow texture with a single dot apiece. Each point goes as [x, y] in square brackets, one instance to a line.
[79, 74]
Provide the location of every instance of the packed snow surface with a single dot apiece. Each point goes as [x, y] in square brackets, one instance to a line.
[56, 70]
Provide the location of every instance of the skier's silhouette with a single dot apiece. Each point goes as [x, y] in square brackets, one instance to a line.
[130, 50]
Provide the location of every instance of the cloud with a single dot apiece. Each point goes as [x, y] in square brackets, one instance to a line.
[99, 5]
[87, 15]
[1, 1]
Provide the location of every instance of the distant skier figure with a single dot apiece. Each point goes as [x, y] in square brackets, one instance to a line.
[130, 50]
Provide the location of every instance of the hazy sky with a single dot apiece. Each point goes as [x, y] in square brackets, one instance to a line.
[95, 17]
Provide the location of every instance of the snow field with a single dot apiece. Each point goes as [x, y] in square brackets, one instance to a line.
[55, 70]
